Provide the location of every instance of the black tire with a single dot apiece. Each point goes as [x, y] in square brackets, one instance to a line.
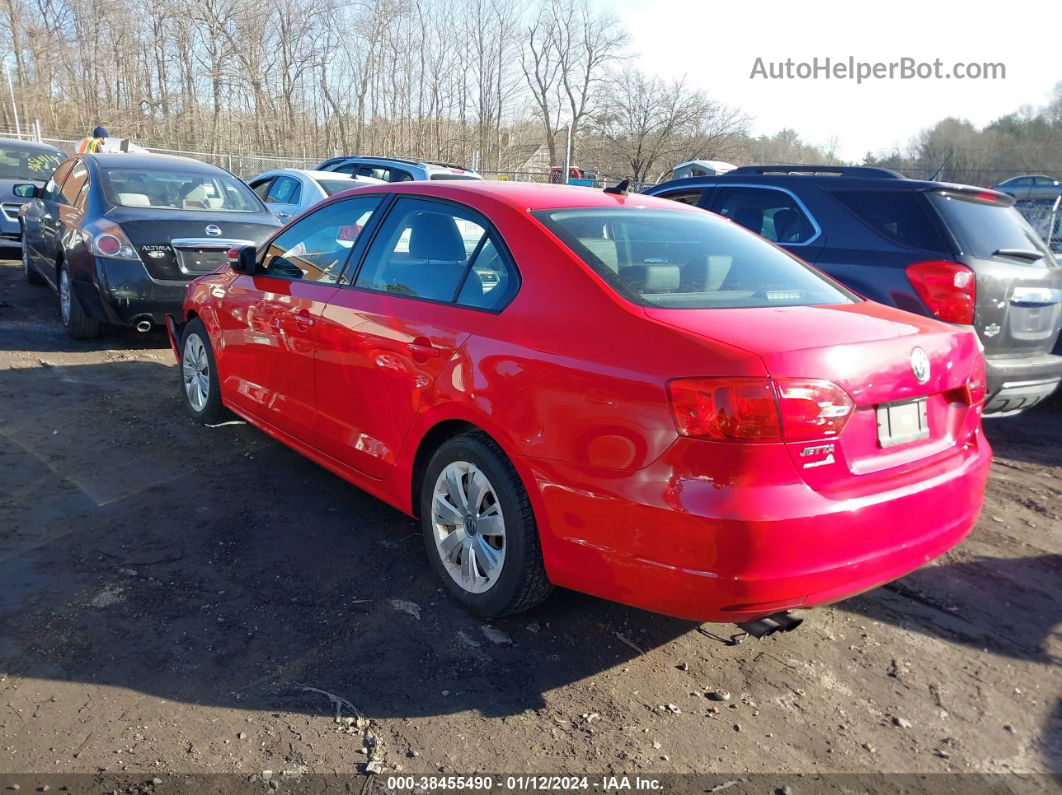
[78, 325]
[32, 277]
[211, 410]
[522, 582]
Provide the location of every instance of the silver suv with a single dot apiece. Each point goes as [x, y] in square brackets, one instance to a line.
[392, 169]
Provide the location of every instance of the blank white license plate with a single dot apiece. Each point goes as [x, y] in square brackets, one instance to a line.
[900, 423]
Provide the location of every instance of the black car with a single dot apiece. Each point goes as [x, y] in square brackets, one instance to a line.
[118, 236]
[955, 252]
[24, 166]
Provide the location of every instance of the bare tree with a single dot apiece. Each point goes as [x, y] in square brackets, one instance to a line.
[645, 121]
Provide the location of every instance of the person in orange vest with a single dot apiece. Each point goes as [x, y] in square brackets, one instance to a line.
[93, 143]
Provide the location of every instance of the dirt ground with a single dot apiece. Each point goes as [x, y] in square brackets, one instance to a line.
[177, 599]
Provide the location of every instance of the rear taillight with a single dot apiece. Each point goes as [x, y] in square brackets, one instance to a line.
[812, 409]
[759, 409]
[977, 381]
[947, 288]
[106, 239]
[726, 409]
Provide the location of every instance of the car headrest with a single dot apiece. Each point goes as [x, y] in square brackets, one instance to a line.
[652, 278]
[134, 199]
[750, 218]
[435, 236]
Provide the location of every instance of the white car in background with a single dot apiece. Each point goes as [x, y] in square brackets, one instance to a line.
[289, 191]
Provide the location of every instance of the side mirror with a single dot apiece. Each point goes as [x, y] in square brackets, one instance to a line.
[243, 259]
[26, 190]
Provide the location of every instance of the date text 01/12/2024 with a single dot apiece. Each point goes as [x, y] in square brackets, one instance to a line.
[524, 783]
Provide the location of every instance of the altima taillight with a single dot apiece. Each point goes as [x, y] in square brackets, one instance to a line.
[759, 409]
[107, 239]
[948, 289]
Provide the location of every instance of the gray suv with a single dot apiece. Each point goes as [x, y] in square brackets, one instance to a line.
[392, 169]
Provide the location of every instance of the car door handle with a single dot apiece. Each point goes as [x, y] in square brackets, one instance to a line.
[283, 215]
[303, 321]
[423, 350]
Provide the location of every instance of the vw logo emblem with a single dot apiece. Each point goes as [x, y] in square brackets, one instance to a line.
[213, 230]
[920, 365]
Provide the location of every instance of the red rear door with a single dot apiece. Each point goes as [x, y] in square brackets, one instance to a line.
[431, 277]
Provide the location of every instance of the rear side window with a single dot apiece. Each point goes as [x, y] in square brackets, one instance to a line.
[437, 252]
[681, 259]
[900, 216]
[774, 214]
[987, 230]
[75, 182]
[284, 190]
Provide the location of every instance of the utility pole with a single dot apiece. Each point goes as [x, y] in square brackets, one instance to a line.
[568, 155]
[14, 105]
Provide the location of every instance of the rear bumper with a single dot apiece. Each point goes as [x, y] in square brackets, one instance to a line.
[123, 293]
[697, 548]
[1017, 384]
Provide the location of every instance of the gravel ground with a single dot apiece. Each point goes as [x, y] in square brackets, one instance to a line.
[177, 599]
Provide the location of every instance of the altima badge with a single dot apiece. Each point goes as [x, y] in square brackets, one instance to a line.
[920, 365]
[213, 230]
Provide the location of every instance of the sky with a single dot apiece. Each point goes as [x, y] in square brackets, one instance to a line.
[715, 46]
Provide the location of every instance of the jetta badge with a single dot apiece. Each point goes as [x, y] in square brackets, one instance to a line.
[213, 230]
[920, 365]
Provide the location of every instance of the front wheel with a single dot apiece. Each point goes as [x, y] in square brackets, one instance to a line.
[479, 528]
[199, 375]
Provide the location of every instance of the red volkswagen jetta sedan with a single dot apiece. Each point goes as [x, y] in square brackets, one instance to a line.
[612, 393]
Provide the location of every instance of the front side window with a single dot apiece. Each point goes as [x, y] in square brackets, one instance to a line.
[262, 187]
[774, 214]
[682, 259]
[179, 190]
[437, 252]
[316, 248]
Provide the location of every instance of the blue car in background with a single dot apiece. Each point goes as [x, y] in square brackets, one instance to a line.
[959, 253]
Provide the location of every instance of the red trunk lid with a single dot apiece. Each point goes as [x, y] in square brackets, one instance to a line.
[868, 350]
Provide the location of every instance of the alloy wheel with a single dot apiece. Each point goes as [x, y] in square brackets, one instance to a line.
[468, 526]
[195, 370]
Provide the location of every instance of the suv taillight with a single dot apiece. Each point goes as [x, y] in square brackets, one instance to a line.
[947, 288]
[759, 409]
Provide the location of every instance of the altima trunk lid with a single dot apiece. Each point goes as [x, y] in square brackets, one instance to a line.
[178, 246]
[905, 374]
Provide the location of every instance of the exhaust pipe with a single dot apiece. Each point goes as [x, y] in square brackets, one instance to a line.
[143, 325]
[762, 627]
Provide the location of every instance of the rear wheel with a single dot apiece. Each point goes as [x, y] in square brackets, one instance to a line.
[78, 325]
[479, 528]
[199, 376]
[32, 277]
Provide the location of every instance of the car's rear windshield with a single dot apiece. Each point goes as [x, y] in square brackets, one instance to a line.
[331, 186]
[988, 230]
[688, 260]
[179, 190]
[19, 163]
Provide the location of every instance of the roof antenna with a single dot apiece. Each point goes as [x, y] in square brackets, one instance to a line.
[942, 166]
[622, 189]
